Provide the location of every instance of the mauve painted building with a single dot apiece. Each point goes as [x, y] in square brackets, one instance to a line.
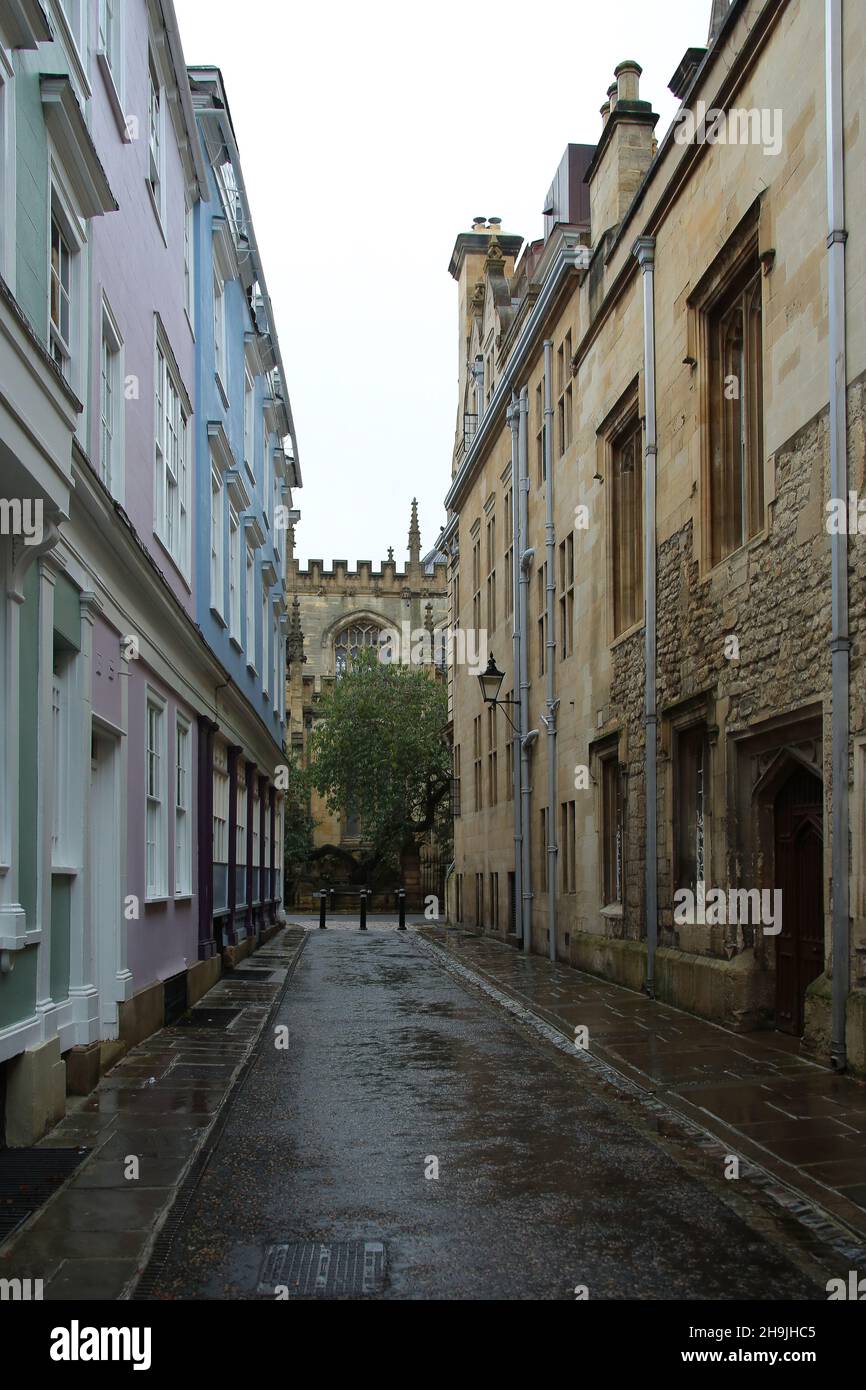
[141, 444]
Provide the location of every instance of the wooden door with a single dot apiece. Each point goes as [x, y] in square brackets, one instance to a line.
[799, 874]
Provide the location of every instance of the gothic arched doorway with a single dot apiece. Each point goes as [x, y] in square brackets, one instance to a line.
[799, 839]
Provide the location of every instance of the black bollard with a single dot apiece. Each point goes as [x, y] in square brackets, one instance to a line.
[401, 908]
[363, 909]
[323, 907]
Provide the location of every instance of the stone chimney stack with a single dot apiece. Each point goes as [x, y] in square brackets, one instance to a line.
[623, 153]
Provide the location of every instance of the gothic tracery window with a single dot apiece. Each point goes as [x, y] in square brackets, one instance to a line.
[351, 641]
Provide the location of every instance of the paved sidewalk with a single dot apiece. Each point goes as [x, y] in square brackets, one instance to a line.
[93, 1238]
[754, 1091]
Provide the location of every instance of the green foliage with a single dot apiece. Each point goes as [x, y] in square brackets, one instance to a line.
[380, 752]
[299, 823]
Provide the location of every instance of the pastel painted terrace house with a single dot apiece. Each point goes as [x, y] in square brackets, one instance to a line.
[124, 685]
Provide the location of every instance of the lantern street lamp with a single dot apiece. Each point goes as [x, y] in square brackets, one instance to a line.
[491, 684]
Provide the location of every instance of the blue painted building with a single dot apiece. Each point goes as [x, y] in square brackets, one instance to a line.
[245, 470]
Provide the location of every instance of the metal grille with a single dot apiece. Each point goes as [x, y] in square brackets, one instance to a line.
[308, 1269]
[28, 1177]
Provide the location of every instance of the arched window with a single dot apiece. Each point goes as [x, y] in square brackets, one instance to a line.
[352, 640]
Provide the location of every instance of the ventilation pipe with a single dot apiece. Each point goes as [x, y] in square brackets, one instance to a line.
[840, 644]
[524, 560]
[552, 703]
[644, 250]
[513, 415]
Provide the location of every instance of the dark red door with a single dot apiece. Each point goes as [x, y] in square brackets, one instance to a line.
[799, 874]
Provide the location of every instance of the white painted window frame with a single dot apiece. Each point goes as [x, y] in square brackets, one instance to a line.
[266, 461]
[156, 795]
[217, 541]
[219, 330]
[221, 805]
[61, 692]
[110, 36]
[61, 209]
[114, 476]
[72, 29]
[266, 608]
[8, 195]
[275, 653]
[189, 259]
[249, 420]
[250, 604]
[182, 806]
[234, 575]
[241, 831]
[169, 391]
[156, 137]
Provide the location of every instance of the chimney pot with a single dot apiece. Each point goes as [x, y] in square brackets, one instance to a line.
[479, 224]
[611, 95]
[627, 76]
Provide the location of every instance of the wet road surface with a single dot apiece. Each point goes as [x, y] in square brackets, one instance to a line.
[543, 1186]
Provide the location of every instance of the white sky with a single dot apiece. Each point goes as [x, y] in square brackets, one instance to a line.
[370, 135]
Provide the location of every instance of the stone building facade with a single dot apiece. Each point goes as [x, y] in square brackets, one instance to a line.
[333, 611]
[661, 359]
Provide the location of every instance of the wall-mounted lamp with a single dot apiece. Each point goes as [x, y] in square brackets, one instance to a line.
[491, 684]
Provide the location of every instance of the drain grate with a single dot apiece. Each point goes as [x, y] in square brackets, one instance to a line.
[28, 1177]
[309, 1269]
[207, 1018]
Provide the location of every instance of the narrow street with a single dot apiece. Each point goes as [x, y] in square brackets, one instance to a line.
[543, 1184]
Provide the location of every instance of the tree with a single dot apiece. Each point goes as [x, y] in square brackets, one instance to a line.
[380, 753]
[298, 822]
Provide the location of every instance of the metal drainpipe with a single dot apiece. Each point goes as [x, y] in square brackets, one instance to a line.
[552, 703]
[840, 645]
[514, 423]
[523, 489]
[644, 250]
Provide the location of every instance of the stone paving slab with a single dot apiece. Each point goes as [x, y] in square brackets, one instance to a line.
[92, 1238]
[756, 1091]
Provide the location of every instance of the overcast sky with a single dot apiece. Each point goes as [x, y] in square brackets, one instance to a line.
[370, 135]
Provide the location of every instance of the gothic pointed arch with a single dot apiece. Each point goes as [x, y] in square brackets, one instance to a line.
[349, 633]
